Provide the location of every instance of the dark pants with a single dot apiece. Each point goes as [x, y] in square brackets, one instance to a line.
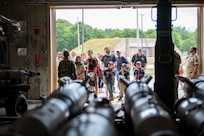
[100, 82]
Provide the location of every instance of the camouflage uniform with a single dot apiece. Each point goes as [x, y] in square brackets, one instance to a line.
[177, 62]
[191, 61]
[80, 70]
[66, 68]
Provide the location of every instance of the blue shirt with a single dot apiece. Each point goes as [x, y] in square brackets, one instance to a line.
[121, 60]
[126, 74]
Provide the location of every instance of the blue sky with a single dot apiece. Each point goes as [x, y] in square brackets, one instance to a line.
[126, 18]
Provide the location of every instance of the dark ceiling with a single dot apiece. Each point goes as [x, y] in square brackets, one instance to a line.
[103, 2]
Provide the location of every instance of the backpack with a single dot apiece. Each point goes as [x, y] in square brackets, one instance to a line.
[98, 68]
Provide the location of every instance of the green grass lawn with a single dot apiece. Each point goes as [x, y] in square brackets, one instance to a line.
[97, 45]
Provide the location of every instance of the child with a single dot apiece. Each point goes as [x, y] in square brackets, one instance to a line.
[139, 71]
[79, 68]
[123, 73]
[109, 79]
[100, 77]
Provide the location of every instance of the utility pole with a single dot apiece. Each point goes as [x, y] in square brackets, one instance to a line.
[78, 33]
[142, 30]
[82, 30]
[137, 20]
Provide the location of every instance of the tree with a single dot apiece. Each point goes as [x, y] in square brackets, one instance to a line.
[151, 33]
[62, 37]
[177, 39]
[127, 33]
[115, 33]
[98, 33]
[67, 35]
[184, 38]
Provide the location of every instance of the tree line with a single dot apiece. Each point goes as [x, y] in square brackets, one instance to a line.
[67, 35]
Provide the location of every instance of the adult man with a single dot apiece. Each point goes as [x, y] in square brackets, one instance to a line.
[177, 62]
[192, 64]
[139, 57]
[108, 57]
[91, 68]
[66, 67]
[120, 59]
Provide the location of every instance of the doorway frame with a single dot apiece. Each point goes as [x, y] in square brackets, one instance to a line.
[52, 71]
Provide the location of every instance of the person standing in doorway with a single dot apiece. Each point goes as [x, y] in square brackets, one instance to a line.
[92, 68]
[109, 80]
[120, 60]
[139, 56]
[84, 61]
[100, 77]
[192, 64]
[123, 73]
[177, 62]
[139, 71]
[73, 55]
[108, 57]
[79, 68]
[66, 67]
